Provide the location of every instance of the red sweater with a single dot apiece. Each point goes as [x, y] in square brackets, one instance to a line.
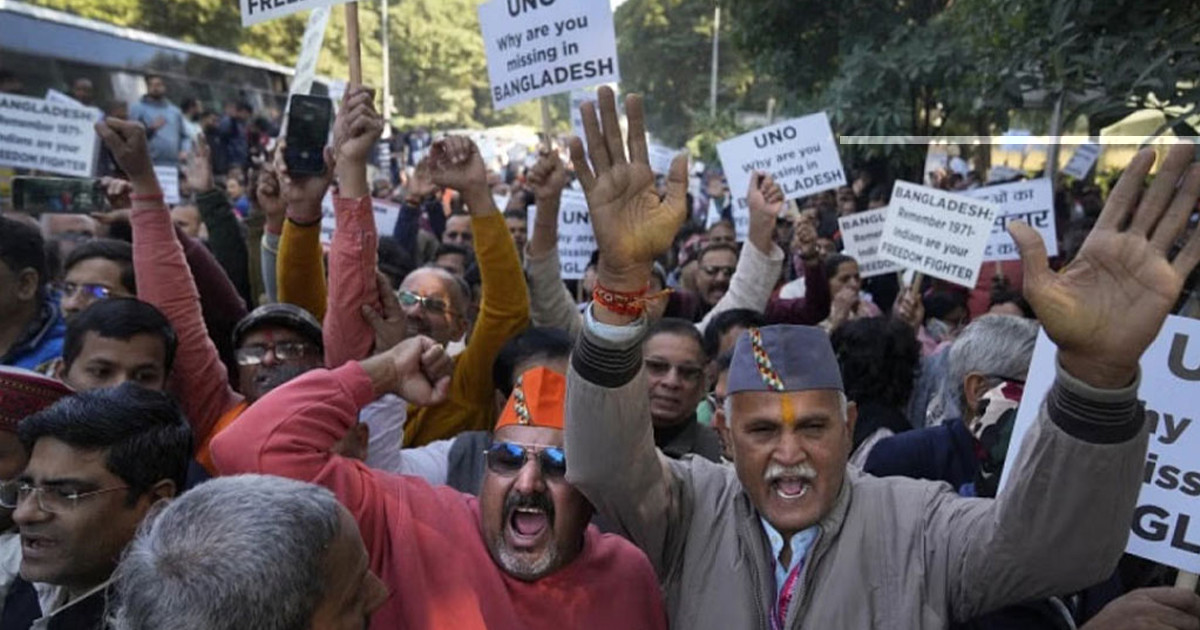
[425, 543]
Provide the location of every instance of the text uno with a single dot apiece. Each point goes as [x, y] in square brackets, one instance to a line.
[765, 140]
[1175, 361]
[517, 7]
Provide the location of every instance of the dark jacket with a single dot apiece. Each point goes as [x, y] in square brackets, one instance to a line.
[689, 437]
[942, 453]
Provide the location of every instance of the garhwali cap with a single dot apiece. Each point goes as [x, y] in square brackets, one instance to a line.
[538, 400]
[783, 359]
[24, 393]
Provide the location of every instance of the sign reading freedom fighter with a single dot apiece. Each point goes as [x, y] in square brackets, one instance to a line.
[255, 11]
[45, 136]
[576, 241]
[861, 234]
[1031, 201]
[937, 233]
[1166, 523]
[542, 47]
[799, 153]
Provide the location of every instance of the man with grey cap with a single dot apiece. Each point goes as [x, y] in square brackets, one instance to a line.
[792, 536]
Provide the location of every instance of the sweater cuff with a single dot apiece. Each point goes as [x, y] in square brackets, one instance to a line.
[355, 381]
[1099, 416]
[606, 355]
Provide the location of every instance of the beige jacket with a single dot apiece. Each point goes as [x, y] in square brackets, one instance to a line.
[893, 553]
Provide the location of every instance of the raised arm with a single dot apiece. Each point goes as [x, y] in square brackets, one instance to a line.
[420, 198]
[225, 235]
[550, 301]
[1080, 466]
[291, 431]
[761, 259]
[354, 249]
[164, 280]
[270, 199]
[813, 308]
[611, 456]
[300, 266]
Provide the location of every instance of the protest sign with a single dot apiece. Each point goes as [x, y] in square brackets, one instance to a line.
[576, 242]
[861, 235]
[54, 96]
[168, 180]
[937, 233]
[310, 51]
[1166, 523]
[540, 47]
[1031, 201]
[584, 95]
[255, 11]
[1082, 160]
[799, 153]
[386, 216]
[660, 158]
[51, 137]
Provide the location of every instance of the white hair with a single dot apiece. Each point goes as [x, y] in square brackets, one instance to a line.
[843, 407]
[245, 551]
[998, 346]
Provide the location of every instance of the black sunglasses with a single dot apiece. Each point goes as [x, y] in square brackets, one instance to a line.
[507, 458]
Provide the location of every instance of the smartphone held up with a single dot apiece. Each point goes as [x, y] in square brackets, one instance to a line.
[308, 124]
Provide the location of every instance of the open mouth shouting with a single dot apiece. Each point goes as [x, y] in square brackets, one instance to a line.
[790, 483]
[529, 521]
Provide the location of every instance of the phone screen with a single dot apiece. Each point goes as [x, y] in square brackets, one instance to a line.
[38, 195]
[307, 134]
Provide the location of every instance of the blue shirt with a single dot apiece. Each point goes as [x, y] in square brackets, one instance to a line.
[800, 543]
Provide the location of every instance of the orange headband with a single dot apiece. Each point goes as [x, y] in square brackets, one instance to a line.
[538, 400]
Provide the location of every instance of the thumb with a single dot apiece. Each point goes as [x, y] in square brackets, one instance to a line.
[371, 316]
[442, 389]
[1035, 264]
[677, 181]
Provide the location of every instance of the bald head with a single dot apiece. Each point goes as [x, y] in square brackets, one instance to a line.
[439, 308]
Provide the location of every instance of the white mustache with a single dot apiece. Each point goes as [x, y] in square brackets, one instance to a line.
[776, 471]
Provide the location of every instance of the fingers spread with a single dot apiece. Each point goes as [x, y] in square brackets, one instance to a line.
[1125, 194]
[677, 183]
[596, 147]
[1034, 261]
[583, 170]
[1175, 220]
[1159, 196]
[612, 125]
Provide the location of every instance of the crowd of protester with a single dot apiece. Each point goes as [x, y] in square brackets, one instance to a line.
[209, 419]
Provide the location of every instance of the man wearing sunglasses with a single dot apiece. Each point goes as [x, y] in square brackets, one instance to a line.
[520, 556]
[793, 537]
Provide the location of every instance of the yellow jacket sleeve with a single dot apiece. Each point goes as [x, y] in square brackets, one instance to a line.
[300, 268]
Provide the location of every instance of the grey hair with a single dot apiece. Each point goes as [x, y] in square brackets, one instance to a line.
[999, 346]
[843, 406]
[245, 551]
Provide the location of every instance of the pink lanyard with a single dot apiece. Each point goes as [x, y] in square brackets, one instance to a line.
[785, 597]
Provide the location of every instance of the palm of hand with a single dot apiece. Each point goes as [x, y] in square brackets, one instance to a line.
[1116, 277]
[633, 225]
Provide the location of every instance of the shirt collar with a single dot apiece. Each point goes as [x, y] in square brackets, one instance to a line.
[799, 543]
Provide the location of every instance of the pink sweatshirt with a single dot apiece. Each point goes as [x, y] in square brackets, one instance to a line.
[425, 543]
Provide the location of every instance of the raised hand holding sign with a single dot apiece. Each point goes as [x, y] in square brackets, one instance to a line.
[1106, 307]
[633, 225]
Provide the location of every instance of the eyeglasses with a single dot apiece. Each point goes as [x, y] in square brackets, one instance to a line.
[714, 271]
[52, 500]
[689, 373]
[97, 291]
[507, 458]
[431, 304]
[286, 351]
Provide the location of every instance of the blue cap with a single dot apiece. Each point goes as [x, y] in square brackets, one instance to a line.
[783, 358]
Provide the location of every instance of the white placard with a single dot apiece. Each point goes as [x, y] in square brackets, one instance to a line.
[54, 96]
[584, 95]
[310, 51]
[799, 153]
[52, 137]
[660, 158]
[576, 242]
[1082, 160]
[1031, 201]
[861, 235]
[938, 233]
[386, 216]
[1166, 524]
[540, 47]
[255, 11]
[168, 180]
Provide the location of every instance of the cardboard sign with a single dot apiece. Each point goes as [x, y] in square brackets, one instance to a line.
[255, 11]
[660, 158]
[386, 216]
[862, 233]
[1166, 524]
[1031, 201]
[54, 96]
[800, 154]
[310, 51]
[52, 137]
[940, 234]
[576, 241]
[585, 95]
[168, 180]
[1082, 160]
[542, 47]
